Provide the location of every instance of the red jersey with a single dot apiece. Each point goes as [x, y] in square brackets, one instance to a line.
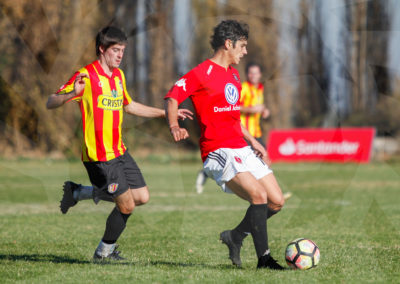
[215, 94]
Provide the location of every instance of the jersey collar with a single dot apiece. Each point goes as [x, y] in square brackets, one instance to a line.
[219, 66]
[100, 70]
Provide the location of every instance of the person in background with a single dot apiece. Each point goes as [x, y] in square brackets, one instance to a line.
[252, 107]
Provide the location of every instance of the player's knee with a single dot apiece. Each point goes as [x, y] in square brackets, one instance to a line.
[144, 198]
[126, 208]
[258, 197]
[277, 204]
[280, 203]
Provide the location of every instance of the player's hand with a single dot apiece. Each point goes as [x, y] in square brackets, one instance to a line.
[261, 152]
[185, 113]
[179, 133]
[80, 83]
[265, 113]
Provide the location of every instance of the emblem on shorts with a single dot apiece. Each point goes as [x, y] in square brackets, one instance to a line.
[237, 159]
[112, 187]
[231, 94]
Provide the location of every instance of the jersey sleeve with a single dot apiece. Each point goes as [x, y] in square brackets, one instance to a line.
[69, 87]
[127, 97]
[184, 87]
[244, 95]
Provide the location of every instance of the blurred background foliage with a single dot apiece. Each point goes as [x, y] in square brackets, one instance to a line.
[325, 63]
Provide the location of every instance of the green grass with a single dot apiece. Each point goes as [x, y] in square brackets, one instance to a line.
[351, 211]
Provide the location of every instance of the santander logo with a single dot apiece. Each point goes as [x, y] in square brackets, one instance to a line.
[302, 147]
[287, 148]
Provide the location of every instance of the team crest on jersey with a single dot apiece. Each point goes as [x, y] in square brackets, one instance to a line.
[181, 83]
[231, 94]
[236, 77]
[237, 159]
[120, 84]
[100, 84]
[112, 187]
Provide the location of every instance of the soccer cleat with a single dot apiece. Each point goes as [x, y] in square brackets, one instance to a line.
[200, 181]
[267, 261]
[287, 195]
[234, 248]
[68, 200]
[114, 256]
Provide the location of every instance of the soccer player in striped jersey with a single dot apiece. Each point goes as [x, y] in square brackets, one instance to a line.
[100, 91]
[252, 107]
[214, 89]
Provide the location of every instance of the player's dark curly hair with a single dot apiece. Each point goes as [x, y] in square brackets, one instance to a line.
[229, 29]
[109, 36]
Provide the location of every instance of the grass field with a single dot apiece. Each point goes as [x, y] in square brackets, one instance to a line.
[351, 211]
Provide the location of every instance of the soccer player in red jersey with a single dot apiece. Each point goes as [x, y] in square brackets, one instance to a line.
[100, 91]
[214, 88]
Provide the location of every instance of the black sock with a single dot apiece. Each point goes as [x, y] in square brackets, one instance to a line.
[258, 224]
[115, 224]
[243, 229]
[271, 212]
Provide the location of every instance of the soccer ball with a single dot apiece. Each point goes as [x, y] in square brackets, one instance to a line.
[302, 254]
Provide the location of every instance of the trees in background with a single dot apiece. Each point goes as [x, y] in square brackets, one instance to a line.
[323, 65]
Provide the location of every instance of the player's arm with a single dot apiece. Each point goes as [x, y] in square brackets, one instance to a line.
[142, 110]
[257, 147]
[139, 109]
[57, 100]
[171, 110]
[252, 109]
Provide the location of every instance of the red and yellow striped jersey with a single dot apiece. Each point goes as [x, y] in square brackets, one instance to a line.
[250, 96]
[101, 104]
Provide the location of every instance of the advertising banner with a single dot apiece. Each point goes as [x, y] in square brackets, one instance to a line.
[334, 144]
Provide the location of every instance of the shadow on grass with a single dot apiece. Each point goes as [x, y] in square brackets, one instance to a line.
[202, 265]
[42, 258]
[51, 258]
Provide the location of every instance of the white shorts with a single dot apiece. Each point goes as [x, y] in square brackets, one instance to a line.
[224, 164]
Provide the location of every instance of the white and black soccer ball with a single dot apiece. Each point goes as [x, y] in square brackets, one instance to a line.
[302, 254]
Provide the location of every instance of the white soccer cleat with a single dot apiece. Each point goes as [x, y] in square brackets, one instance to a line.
[287, 195]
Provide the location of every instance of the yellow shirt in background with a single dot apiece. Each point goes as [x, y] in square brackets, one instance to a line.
[250, 96]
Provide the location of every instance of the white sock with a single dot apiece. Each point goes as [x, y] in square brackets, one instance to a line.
[83, 193]
[104, 249]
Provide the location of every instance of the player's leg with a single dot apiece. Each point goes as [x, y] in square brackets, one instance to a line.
[275, 203]
[128, 175]
[246, 186]
[110, 179]
[276, 199]
[140, 195]
[137, 184]
[200, 181]
[115, 225]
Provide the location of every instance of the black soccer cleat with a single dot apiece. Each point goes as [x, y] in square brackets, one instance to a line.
[68, 200]
[234, 248]
[114, 256]
[267, 261]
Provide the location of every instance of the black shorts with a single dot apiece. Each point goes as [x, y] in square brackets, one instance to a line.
[114, 177]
